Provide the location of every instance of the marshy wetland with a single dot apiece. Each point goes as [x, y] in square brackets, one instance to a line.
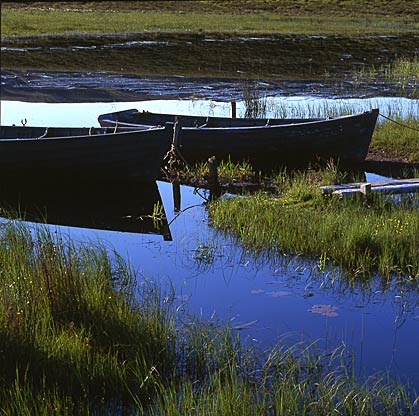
[273, 299]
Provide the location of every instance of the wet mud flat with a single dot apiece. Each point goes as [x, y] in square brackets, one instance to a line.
[203, 54]
[101, 86]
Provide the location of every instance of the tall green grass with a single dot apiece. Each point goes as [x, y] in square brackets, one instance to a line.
[377, 236]
[403, 71]
[291, 383]
[78, 338]
[71, 330]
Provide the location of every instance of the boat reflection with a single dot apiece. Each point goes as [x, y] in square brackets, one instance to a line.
[125, 206]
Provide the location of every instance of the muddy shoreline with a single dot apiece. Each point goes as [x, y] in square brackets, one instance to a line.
[88, 86]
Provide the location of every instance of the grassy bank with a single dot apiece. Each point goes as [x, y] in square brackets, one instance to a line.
[361, 237]
[397, 141]
[34, 22]
[312, 17]
[75, 340]
[384, 8]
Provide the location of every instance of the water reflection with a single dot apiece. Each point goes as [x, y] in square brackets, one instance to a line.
[114, 206]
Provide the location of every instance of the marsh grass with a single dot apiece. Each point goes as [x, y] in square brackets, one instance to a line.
[361, 237]
[74, 339]
[288, 381]
[403, 71]
[255, 101]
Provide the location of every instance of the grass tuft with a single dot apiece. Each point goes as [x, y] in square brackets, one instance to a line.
[363, 237]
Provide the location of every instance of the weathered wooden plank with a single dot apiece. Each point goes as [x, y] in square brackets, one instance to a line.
[395, 186]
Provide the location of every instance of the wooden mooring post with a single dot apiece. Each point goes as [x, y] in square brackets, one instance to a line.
[176, 196]
[213, 172]
[176, 130]
[213, 182]
[233, 109]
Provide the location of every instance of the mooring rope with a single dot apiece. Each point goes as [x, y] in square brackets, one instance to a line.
[397, 122]
[182, 211]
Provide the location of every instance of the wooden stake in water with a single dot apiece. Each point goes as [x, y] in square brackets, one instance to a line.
[176, 129]
[233, 108]
[213, 172]
[176, 196]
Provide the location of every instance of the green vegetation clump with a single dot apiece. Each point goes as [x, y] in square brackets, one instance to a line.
[197, 175]
[379, 235]
[77, 338]
[402, 71]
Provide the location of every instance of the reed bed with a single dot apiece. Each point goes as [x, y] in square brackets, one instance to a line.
[380, 235]
[274, 108]
[402, 71]
[76, 337]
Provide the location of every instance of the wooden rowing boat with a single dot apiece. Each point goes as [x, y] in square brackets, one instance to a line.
[263, 142]
[82, 154]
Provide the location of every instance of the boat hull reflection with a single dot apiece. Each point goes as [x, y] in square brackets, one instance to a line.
[125, 206]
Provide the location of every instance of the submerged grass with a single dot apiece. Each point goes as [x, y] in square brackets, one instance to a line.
[363, 237]
[75, 340]
[403, 71]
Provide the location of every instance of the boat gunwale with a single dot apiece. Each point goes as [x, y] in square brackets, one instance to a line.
[128, 131]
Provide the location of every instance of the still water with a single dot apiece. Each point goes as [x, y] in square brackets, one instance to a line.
[214, 278]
